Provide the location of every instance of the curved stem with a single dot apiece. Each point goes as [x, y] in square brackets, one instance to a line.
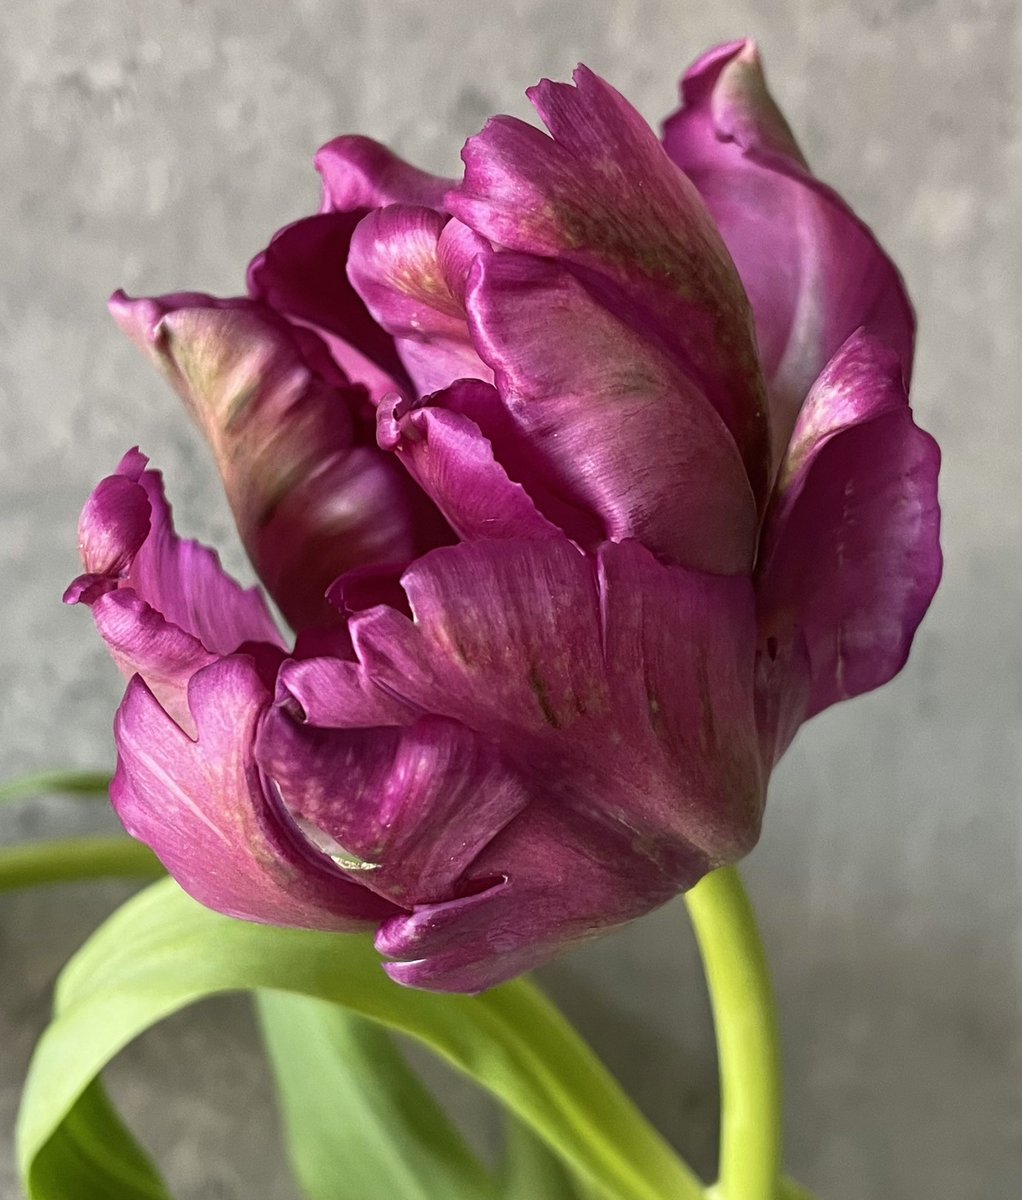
[77, 858]
[68, 783]
[747, 1043]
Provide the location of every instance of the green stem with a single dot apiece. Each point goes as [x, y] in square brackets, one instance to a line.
[77, 858]
[747, 1043]
[70, 783]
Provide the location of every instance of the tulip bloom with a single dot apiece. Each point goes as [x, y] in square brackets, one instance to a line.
[582, 481]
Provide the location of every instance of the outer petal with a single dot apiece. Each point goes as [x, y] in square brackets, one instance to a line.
[851, 553]
[205, 810]
[412, 807]
[623, 699]
[813, 270]
[360, 173]
[302, 275]
[144, 644]
[624, 430]
[164, 605]
[454, 464]
[416, 293]
[602, 196]
[309, 499]
[568, 880]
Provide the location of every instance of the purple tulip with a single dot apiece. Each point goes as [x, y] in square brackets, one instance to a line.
[583, 482]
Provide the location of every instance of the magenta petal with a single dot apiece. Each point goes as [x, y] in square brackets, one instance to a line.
[545, 885]
[813, 270]
[624, 430]
[621, 692]
[603, 197]
[454, 464]
[396, 267]
[141, 642]
[205, 810]
[851, 552]
[332, 692]
[360, 173]
[302, 275]
[115, 521]
[626, 690]
[310, 498]
[408, 808]
[183, 581]
[163, 604]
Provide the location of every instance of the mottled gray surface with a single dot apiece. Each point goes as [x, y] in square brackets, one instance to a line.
[157, 146]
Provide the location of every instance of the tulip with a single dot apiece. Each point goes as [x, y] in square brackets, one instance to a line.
[582, 481]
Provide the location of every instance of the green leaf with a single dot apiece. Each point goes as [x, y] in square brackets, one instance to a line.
[93, 1157]
[531, 1169]
[64, 783]
[35, 863]
[161, 951]
[359, 1123]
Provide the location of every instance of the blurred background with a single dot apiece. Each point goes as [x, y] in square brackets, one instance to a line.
[157, 147]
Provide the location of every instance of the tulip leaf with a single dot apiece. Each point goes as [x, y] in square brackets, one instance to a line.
[359, 1123]
[531, 1169]
[162, 951]
[92, 1156]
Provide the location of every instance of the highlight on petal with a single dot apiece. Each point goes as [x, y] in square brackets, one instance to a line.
[206, 811]
[851, 553]
[302, 274]
[410, 272]
[454, 464]
[360, 173]
[311, 492]
[623, 431]
[602, 197]
[813, 271]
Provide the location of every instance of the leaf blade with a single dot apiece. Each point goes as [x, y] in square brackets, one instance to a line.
[161, 951]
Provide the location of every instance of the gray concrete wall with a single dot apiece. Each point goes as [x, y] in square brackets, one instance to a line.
[156, 146]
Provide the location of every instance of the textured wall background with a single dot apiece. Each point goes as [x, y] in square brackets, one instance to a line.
[157, 146]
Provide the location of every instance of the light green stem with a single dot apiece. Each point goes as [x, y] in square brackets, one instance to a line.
[68, 783]
[747, 1043]
[77, 858]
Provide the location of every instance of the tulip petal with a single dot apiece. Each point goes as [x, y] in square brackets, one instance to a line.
[623, 688]
[396, 266]
[851, 553]
[624, 431]
[408, 809]
[621, 694]
[183, 581]
[302, 275]
[310, 499]
[204, 809]
[163, 604]
[814, 272]
[566, 880]
[332, 692]
[360, 173]
[603, 197]
[454, 464]
[144, 644]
